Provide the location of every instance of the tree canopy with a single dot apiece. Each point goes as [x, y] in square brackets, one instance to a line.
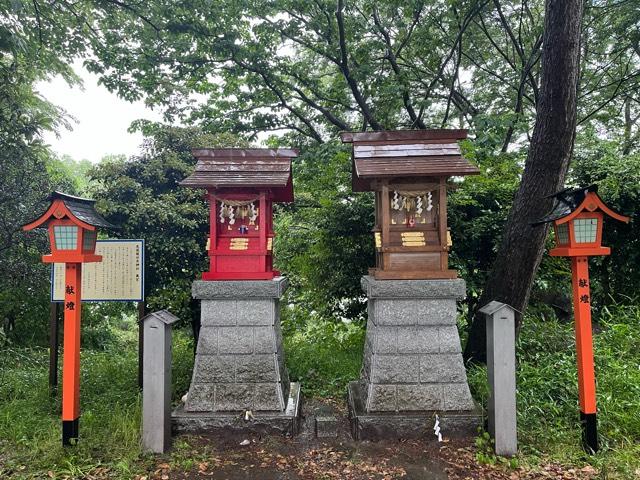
[234, 71]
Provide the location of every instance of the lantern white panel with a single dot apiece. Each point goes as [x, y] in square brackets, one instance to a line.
[585, 229]
[66, 237]
[563, 233]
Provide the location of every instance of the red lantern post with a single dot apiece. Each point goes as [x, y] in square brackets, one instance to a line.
[72, 224]
[577, 218]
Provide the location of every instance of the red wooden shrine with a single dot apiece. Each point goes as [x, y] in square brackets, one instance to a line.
[242, 185]
[73, 225]
[577, 217]
[408, 171]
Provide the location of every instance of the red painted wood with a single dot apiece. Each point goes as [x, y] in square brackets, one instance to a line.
[252, 261]
[584, 340]
[71, 353]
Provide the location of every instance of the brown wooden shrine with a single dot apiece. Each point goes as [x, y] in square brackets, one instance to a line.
[242, 185]
[408, 171]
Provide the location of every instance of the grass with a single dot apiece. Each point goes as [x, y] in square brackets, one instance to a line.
[30, 435]
[324, 357]
[547, 395]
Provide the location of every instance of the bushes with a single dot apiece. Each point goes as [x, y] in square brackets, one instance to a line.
[324, 357]
[547, 396]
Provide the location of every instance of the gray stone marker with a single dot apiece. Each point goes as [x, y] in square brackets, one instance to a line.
[413, 368]
[239, 378]
[156, 380]
[501, 369]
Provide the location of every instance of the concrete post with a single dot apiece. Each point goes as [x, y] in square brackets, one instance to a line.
[156, 379]
[501, 369]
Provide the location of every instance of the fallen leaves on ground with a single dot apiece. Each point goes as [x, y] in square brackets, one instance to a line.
[280, 458]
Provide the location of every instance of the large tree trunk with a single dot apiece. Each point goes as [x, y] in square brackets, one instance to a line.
[520, 252]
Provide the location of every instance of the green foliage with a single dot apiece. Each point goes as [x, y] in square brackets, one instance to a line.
[66, 170]
[324, 357]
[24, 185]
[324, 241]
[30, 433]
[547, 394]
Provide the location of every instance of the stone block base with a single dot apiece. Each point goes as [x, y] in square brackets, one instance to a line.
[239, 363]
[286, 422]
[403, 425]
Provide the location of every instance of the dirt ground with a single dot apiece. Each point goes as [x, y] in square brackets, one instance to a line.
[232, 456]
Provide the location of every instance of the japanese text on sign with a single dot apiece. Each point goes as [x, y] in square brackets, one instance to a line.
[119, 277]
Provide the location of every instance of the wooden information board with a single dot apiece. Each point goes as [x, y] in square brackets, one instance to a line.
[119, 277]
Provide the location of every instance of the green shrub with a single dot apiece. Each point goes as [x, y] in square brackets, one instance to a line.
[325, 356]
[547, 395]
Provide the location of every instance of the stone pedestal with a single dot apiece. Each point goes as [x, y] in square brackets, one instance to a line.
[239, 365]
[413, 368]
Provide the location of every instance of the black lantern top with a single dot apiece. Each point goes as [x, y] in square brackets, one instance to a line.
[82, 209]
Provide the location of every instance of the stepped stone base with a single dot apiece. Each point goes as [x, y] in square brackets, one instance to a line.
[407, 424]
[239, 363]
[413, 364]
[286, 422]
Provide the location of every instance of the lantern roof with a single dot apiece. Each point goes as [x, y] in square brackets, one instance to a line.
[244, 167]
[406, 153]
[80, 210]
[569, 203]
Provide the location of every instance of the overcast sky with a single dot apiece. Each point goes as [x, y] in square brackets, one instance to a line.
[102, 118]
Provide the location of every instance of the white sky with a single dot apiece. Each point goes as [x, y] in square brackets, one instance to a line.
[103, 119]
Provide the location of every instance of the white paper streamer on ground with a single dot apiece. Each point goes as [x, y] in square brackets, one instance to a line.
[436, 429]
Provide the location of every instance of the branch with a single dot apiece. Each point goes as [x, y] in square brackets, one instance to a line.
[390, 56]
[135, 12]
[465, 24]
[37, 12]
[327, 113]
[606, 102]
[344, 67]
[455, 75]
[416, 18]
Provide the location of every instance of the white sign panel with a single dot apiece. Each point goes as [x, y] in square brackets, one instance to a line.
[119, 277]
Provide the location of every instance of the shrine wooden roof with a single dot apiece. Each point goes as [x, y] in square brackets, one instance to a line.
[242, 168]
[406, 153]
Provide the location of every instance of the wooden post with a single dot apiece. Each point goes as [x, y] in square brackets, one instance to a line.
[141, 312]
[263, 222]
[71, 353]
[54, 327]
[386, 215]
[213, 231]
[584, 350]
[442, 224]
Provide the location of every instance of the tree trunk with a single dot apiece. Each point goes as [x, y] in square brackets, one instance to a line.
[520, 252]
